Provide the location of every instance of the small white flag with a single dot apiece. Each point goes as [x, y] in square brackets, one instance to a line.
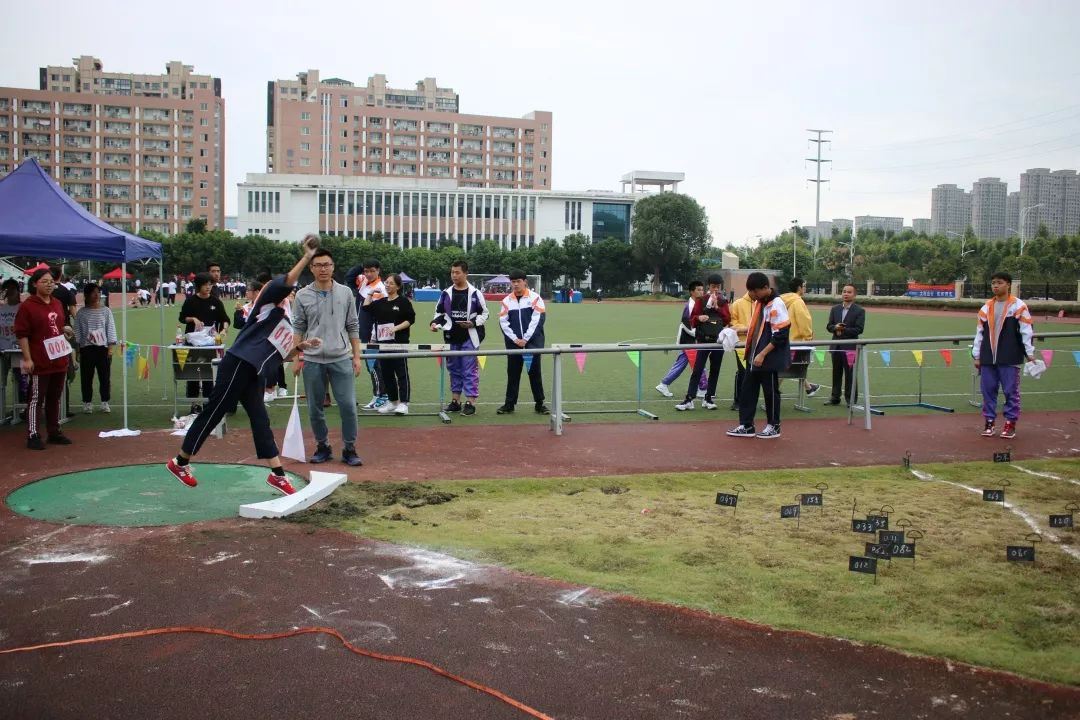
[293, 446]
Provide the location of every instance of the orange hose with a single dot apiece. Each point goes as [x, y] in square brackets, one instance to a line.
[292, 633]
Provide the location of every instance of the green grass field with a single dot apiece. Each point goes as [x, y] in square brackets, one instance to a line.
[609, 380]
[661, 537]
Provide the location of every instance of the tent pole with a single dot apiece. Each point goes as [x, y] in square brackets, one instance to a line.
[123, 356]
[161, 307]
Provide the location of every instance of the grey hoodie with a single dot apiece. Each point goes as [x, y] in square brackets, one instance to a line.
[330, 317]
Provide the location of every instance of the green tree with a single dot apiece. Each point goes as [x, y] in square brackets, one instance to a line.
[487, 257]
[196, 226]
[670, 231]
[548, 261]
[577, 257]
[613, 266]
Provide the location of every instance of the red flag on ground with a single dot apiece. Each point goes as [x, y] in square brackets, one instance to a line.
[947, 354]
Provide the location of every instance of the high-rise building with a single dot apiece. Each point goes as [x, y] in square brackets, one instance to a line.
[842, 224]
[950, 210]
[1050, 198]
[878, 222]
[332, 127]
[921, 226]
[989, 197]
[142, 151]
[1012, 214]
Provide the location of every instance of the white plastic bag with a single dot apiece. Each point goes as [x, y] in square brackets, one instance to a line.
[293, 445]
[1035, 369]
[729, 339]
[201, 338]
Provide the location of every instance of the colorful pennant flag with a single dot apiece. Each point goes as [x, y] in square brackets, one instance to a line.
[142, 368]
[635, 357]
[579, 358]
[850, 358]
[438, 360]
[886, 357]
[691, 357]
[482, 359]
[947, 354]
[528, 362]
[918, 357]
[820, 355]
[1076, 357]
[1048, 356]
[181, 356]
[154, 352]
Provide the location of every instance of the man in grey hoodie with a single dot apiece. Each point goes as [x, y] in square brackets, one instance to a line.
[326, 310]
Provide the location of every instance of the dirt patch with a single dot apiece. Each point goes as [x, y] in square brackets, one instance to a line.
[361, 499]
[614, 490]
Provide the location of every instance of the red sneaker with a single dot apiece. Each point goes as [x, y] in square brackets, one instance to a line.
[181, 473]
[280, 483]
[1009, 431]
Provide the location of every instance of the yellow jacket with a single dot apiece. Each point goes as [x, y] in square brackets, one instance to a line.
[802, 325]
[740, 314]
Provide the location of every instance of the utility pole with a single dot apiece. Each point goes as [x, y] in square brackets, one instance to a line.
[817, 181]
[794, 247]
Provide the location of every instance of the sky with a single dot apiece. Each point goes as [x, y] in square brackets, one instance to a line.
[916, 93]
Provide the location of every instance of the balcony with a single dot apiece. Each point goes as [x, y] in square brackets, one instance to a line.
[187, 116]
[472, 174]
[375, 138]
[117, 113]
[503, 175]
[187, 131]
[39, 155]
[5, 104]
[438, 172]
[375, 122]
[118, 128]
[116, 192]
[78, 173]
[156, 114]
[77, 141]
[156, 194]
[407, 169]
[501, 132]
[35, 139]
[503, 147]
[439, 128]
[503, 162]
[117, 159]
[76, 109]
[34, 124]
[409, 125]
[121, 175]
[155, 161]
[157, 145]
[404, 140]
[155, 130]
[472, 130]
[36, 106]
[435, 156]
[77, 190]
[155, 212]
[404, 155]
[117, 143]
[76, 158]
[439, 142]
[375, 167]
[77, 125]
[375, 154]
[5, 137]
[111, 210]
[472, 145]
[5, 121]
[467, 159]
[156, 176]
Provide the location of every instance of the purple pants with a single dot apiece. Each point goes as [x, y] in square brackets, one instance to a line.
[464, 371]
[1007, 377]
[677, 367]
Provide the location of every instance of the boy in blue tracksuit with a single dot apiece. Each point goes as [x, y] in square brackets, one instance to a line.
[521, 317]
[1002, 343]
[766, 355]
[461, 313]
[686, 336]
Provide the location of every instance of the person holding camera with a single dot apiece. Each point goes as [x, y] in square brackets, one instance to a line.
[707, 324]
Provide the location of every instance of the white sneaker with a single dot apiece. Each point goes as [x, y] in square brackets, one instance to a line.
[663, 390]
[387, 408]
[282, 392]
[686, 405]
[708, 405]
[701, 393]
[87, 408]
[402, 409]
[371, 405]
[105, 408]
[269, 396]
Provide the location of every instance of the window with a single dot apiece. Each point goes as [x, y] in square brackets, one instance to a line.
[305, 162]
[203, 106]
[203, 202]
[305, 116]
[305, 146]
[202, 184]
[305, 131]
[344, 164]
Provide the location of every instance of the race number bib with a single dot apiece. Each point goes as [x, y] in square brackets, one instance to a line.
[385, 332]
[57, 347]
[97, 337]
[281, 337]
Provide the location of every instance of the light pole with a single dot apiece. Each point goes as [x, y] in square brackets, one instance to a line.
[794, 246]
[1023, 212]
[851, 257]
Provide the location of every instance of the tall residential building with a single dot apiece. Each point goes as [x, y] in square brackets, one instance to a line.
[878, 222]
[1057, 195]
[1012, 214]
[411, 212]
[950, 210]
[989, 198]
[842, 224]
[921, 226]
[142, 151]
[332, 127]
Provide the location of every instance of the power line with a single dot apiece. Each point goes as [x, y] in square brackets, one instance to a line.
[818, 180]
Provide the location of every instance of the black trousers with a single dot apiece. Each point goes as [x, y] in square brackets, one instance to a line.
[514, 363]
[769, 384]
[715, 358]
[841, 373]
[395, 376]
[237, 382]
[95, 359]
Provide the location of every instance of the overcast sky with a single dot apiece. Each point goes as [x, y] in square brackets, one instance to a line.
[917, 93]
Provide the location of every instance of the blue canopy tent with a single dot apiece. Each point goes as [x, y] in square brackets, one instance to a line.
[38, 219]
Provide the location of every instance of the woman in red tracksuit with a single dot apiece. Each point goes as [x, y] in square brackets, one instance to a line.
[39, 328]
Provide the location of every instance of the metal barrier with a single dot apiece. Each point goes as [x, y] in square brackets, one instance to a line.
[860, 373]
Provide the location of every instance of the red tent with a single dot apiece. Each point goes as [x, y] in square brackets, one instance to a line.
[39, 266]
[114, 274]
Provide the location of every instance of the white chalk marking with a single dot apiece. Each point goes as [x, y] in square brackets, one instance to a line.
[54, 558]
[111, 610]
[37, 539]
[317, 615]
[576, 598]
[220, 557]
[1052, 476]
[481, 600]
[429, 571]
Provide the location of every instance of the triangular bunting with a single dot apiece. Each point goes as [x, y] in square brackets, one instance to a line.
[947, 354]
[850, 355]
[918, 357]
[820, 355]
[691, 357]
[886, 357]
[181, 356]
[1048, 356]
[154, 352]
[528, 362]
[635, 357]
[438, 360]
[482, 359]
[142, 368]
[1076, 357]
[579, 358]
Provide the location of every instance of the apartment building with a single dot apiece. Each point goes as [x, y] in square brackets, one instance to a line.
[1050, 198]
[1012, 214]
[410, 212]
[333, 127]
[878, 222]
[950, 210]
[921, 226]
[989, 200]
[142, 151]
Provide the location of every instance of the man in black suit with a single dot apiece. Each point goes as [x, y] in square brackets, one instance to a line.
[846, 322]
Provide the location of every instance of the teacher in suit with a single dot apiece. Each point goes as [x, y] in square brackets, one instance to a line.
[846, 322]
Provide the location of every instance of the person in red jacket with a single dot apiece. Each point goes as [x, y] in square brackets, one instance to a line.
[39, 328]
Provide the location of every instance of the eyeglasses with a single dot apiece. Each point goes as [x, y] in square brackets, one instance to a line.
[320, 266]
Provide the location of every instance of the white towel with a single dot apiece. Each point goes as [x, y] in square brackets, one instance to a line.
[729, 339]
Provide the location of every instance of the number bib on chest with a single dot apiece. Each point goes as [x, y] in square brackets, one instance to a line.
[385, 332]
[57, 347]
[281, 337]
[97, 337]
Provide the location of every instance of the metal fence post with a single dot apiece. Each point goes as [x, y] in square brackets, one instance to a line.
[556, 394]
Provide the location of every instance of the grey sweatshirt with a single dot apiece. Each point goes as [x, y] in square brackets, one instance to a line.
[329, 316]
[90, 319]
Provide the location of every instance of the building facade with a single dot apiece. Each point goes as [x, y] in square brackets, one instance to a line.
[1012, 214]
[1050, 198]
[878, 222]
[332, 127]
[950, 210]
[413, 213]
[989, 198]
[921, 226]
[141, 151]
